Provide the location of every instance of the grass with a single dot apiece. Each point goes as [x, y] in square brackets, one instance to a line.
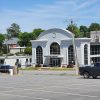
[47, 68]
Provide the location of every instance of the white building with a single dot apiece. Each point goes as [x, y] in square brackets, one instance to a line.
[14, 50]
[13, 46]
[95, 46]
[24, 61]
[54, 47]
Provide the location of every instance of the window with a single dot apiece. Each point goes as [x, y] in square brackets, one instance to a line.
[71, 57]
[95, 59]
[30, 60]
[39, 55]
[95, 49]
[85, 54]
[26, 60]
[54, 48]
[97, 38]
[17, 60]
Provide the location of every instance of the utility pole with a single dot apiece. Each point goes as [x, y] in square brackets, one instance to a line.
[74, 47]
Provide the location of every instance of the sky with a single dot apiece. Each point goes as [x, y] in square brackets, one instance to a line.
[46, 14]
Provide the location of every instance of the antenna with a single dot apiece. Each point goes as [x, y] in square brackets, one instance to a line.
[71, 21]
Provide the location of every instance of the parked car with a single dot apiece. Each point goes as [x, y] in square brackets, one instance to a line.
[90, 70]
[5, 68]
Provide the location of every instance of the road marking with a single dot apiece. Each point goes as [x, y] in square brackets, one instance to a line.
[22, 89]
[65, 93]
[24, 96]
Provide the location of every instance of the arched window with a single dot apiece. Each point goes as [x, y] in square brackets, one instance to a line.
[39, 55]
[54, 48]
[71, 55]
[85, 54]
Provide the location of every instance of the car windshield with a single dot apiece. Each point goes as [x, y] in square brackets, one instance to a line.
[6, 67]
[97, 64]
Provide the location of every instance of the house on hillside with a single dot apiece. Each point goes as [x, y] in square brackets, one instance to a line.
[13, 46]
[12, 42]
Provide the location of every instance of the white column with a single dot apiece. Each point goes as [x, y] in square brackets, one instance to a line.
[82, 54]
[88, 53]
[67, 56]
[33, 56]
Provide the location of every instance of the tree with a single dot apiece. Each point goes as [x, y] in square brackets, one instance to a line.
[13, 30]
[28, 50]
[36, 32]
[25, 39]
[94, 27]
[2, 38]
[84, 31]
[74, 29]
[4, 49]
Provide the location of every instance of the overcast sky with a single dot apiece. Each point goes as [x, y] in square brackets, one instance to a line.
[45, 14]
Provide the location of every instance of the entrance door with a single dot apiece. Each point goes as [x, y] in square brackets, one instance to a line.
[55, 62]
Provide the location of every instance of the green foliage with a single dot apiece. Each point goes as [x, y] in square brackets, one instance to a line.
[10, 54]
[74, 29]
[25, 39]
[2, 38]
[94, 27]
[13, 30]
[1, 53]
[28, 50]
[1, 42]
[84, 31]
[19, 53]
[36, 32]
[4, 49]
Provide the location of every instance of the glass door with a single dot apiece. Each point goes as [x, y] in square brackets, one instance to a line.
[55, 62]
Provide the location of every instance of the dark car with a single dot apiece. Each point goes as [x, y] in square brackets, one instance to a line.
[90, 70]
[5, 68]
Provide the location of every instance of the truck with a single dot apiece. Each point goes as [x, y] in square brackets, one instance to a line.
[90, 70]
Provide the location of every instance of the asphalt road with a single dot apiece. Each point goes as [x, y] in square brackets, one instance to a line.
[48, 85]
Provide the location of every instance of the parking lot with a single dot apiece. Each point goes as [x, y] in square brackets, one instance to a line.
[48, 85]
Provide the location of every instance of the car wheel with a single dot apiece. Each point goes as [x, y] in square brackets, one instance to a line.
[86, 75]
[94, 77]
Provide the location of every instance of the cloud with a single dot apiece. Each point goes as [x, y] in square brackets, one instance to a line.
[48, 16]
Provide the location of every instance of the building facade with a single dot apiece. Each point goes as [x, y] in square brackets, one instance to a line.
[24, 61]
[56, 47]
[95, 46]
[13, 46]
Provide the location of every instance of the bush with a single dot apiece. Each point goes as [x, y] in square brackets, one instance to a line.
[70, 66]
[28, 50]
[19, 53]
[63, 66]
[38, 65]
[4, 49]
[44, 65]
[1, 54]
[10, 54]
